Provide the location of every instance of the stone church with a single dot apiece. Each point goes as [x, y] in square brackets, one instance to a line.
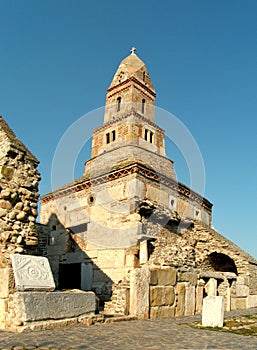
[127, 230]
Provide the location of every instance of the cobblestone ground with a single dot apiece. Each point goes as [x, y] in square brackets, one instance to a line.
[154, 335]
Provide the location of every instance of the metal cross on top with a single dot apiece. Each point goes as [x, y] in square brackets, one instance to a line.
[133, 50]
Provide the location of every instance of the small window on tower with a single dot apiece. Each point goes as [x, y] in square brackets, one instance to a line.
[113, 135]
[151, 137]
[146, 133]
[143, 106]
[118, 103]
[144, 76]
[108, 137]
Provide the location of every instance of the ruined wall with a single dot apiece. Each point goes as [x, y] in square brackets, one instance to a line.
[19, 180]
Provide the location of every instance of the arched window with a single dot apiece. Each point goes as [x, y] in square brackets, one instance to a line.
[143, 106]
[118, 103]
[143, 75]
[113, 135]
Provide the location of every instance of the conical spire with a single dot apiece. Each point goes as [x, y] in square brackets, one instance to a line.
[131, 87]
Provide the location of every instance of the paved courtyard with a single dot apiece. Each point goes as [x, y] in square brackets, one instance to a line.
[155, 335]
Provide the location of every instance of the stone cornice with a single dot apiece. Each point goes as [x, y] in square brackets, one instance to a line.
[133, 79]
[125, 116]
[135, 168]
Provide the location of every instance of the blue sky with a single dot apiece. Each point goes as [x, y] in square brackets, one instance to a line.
[58, 58]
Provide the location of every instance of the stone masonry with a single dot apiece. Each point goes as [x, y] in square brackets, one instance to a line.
[19, 196]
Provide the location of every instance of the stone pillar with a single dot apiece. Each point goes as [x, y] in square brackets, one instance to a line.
[139, 293]
[190, 301]
[228, 297]
[211, 287]
[143, 255]
[180, 291]
[199, 296]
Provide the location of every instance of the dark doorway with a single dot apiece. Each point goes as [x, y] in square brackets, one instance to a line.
[70, 276]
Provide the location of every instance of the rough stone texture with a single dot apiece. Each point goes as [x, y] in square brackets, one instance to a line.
[32, 273]
[6, 282]
[35, 306]
[180, 292]
[162, 312]
[139, 293]
[213, 311]
[162, 296]
[251, 301]
[18, 196]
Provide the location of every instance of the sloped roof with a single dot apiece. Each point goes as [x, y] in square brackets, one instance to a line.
[130, 66]
[14, 142]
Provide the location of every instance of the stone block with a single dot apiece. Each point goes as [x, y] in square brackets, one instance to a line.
[32, 273]
[190, 301]
[139, 293]
[167, 276]
[190, 277]
[252, 301]
[6, 282]
[241, 303]
[213, 311]
[36, 306]
[162, 312]
[180, 291]
[162, 296]
[240, 280]
[242, 291]
[153, 277]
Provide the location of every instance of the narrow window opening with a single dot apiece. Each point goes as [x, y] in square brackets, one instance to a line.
[146, 132]
[143, 76]
[113, 135]
[151, 137]
[118, 103]
[143, 106]
[108, 137]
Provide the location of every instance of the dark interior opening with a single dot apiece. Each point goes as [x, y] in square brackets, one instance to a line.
[70, 276]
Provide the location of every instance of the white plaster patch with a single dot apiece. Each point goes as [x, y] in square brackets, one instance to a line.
[32, 273]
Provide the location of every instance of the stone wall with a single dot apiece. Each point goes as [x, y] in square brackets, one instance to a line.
[19, 180]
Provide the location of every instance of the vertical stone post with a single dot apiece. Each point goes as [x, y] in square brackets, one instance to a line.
[211, 287]
[199, 296]
[190, 301]
[139, 293]
[143, 255]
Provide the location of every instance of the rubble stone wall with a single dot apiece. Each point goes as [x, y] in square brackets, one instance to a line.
[19, 180]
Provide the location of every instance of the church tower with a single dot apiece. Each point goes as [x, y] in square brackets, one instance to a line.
[129, 131]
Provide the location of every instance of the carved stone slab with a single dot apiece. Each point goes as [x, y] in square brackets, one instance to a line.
[32, 273]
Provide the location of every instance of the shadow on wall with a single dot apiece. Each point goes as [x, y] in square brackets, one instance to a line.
[72, 268]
